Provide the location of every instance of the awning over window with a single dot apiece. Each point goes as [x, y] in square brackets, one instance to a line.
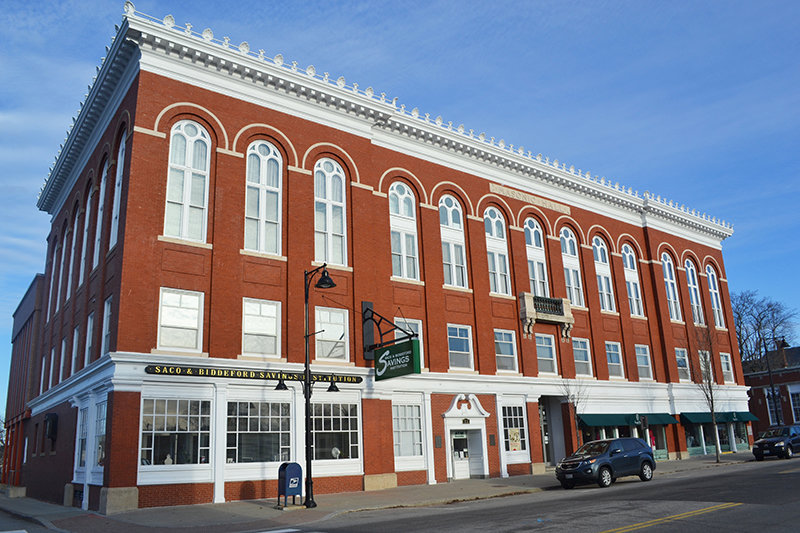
[725, 416]
[624, 419]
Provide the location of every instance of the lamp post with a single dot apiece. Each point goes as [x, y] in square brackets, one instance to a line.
[780, 344]
[324, 282]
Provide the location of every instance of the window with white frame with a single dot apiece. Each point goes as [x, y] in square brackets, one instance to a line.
[101, 209]
[187, 182]
[53, 273]
[706, 367]
[258, 432]
[614, 359]
[682, 361]
[407, 430]
[87, 353]
[772, 405]
[115, 207]
[75, 355]
[505, 349]
[451, 226]
[64, 356]
[546, 354]
[261, 327]
[82, 436]
[459, 344]
[632, 281]
[62, 259]
[403, 222]
[415, 326]
[572, 267]
[175, 432]
[537, 263]
[100, 434]
[515, 437]
[43, 373]
[716, 302]
[694, 293]
[262, 214]
[106, 341]
[53, 374]
[335, 430]
[73, 249]
[583, 359]
[330, 220]
[497, 251]
[671, 286]
[180, 322]
[794, 397]
[643, 361]
[331, 336]
[602, 267]
[727, 367]
[85, 241]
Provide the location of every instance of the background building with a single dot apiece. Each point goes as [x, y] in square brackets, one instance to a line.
[200, 182]
[780, 378]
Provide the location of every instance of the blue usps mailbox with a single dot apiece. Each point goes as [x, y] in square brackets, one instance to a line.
[289, 482]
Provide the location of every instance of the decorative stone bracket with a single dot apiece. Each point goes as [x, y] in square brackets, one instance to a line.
[534, 309]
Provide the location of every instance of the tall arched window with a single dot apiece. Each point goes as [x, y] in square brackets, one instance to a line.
[73, 249]
[602, 269]
[403, 222]
[115, 207]
[632, 280]
[262, 214]
[572, 267]
[694, 293]
[497, 251]
[716, 301]
[671, 286]
[87, 218]
[187, 182]
[64, 246]
[53, 273]
[329, 213]
[537, 264]
[451, 226]
[98, 229]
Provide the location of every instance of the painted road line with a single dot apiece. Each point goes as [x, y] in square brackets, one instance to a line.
[672, 518]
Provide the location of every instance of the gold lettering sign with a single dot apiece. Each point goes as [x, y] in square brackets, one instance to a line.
[238, 373]
[528, 198]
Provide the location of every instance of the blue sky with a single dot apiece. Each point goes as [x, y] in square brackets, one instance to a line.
[698, 102]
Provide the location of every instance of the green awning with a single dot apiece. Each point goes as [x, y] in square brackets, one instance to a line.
[624, 419]
[660, 418]
[725, 416]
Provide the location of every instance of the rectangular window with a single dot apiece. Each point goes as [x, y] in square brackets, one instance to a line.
[331, 337]
[407, 429]
[634, 298]
[682, 360]
[514, 435]
[100, 435]
[505, 349]
[75, 358]
[614, 358]
[261, 326]
[175, 432]
[795, 399]
[258, 432]
[643, 362]
[82, 431]
[180, 320]
[583, 360]
[87, 355]
[772, 404]
[606, 294]
[455, 269]
[335, 430]
[537, 273]
[416, 327]
[572, 276]
[106, 346]
[498, 273]
[43, 374]
[546, 354]
[706, 370]
[404, 255]
[727, 368]
[52, 367]
[459, 344]
[64, 359]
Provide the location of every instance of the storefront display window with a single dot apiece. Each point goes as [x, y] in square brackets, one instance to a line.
[694, 439]
[514, 428]
[407, 426]
[175, 432]
[335, 430]
[258, 432]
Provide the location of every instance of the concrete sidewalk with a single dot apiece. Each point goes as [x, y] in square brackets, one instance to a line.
[262, 514]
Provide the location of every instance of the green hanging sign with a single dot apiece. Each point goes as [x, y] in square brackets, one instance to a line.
[399, 359]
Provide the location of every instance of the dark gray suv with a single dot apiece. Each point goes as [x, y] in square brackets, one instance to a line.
[603, 461]
[777, 441]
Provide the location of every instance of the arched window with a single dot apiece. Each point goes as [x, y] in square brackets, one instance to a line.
[63, 245]
[632, 280]
[572, 267]
[87, 217]
[262, 214]
[497, 251]
[53, 273]
[330, 237]
[115, 207]
[537, 264]
[694, 293]
[671, 286]
[98, 229]
[451, 226]
[187, 182]
[602, 269]
[403, 223]
[73, 249]
[716, 301]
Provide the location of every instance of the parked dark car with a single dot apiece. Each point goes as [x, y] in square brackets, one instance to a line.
[603, 461]
[777, 441]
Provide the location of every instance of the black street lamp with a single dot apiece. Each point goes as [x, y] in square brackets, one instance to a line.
[324, 282]
[780, 344]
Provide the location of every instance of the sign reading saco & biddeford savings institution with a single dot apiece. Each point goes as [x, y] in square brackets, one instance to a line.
[396, 360]
[242, 373]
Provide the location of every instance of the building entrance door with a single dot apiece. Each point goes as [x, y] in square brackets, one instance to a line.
[460, 447]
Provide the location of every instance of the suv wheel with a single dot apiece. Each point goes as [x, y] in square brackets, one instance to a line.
[789, 453]
[646, 472]
[604, 477]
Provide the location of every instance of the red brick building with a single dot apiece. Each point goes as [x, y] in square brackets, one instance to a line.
[199, 183]
[774, 387]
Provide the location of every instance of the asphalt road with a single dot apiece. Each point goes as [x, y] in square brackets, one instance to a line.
[13, 524]
[753, 497]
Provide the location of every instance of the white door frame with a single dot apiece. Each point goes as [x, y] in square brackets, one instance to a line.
[464, 414]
